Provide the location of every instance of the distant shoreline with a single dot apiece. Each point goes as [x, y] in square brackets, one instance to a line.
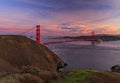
[102, 37]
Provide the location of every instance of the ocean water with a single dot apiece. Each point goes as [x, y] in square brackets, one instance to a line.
[83, 55]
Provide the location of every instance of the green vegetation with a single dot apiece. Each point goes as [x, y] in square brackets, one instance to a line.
[75, 76]
[115, 68]
[88, 76]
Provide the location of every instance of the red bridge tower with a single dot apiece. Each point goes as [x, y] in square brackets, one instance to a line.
[38, 34]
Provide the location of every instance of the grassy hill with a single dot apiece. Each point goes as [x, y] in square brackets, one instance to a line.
[17, 52]
[88, 76]
[72, 76]
[24, 61]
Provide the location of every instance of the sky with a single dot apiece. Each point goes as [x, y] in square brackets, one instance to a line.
[60, 17]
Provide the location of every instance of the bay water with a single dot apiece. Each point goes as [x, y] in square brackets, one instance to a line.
[83, 55]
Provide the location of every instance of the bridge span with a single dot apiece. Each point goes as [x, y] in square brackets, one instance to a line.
[38, 36]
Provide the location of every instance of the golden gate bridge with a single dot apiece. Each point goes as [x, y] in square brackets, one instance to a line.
[92, 38]
[38, 38]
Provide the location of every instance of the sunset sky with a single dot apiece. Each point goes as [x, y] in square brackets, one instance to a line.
[60, 17]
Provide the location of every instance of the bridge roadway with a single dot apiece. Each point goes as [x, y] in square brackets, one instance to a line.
[75, 40]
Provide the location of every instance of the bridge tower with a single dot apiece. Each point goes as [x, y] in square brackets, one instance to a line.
[93, 38]
[93, 34]
[38, 34]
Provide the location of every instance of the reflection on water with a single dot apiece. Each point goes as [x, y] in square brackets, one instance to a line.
[82, 55]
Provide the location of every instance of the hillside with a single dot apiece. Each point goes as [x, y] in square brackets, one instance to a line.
[24, 61]
[88, 76]
[16, 52]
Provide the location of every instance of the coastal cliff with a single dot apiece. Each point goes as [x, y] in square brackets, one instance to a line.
[19, 54]
[24, 61]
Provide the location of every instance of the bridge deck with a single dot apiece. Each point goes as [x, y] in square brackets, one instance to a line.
[75, 40]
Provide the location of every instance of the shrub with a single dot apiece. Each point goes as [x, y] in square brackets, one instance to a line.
[28, 78]
[115, 68]
[30, 69]
[21, 78]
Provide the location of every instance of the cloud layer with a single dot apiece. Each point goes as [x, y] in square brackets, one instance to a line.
[64, 17]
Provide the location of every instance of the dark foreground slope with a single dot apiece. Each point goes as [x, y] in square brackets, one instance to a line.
[24, 61]
[18, 52]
